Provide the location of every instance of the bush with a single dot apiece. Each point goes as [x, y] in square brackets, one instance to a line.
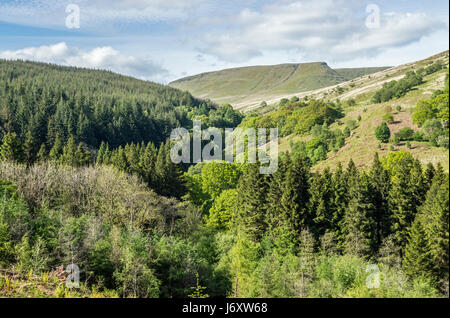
[397, 89]
[388, 118]
[382, 132]
[351, 124]
[284, 101]
[432, 129]
[405, 134]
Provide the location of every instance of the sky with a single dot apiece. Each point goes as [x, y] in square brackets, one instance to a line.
[163, 40]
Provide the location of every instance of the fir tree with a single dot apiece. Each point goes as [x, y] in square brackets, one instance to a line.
[57, 149]
[29, 149]
[11, 149]
[252, 188]
[360, 224]
[380, 180]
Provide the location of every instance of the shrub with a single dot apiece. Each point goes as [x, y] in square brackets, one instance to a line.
[284, 101]
[388, 118]
[406, 133]
[351, 124]
[382, 132]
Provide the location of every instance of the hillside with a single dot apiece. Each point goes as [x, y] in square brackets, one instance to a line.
[132, 223]
[361, 146]
[50, 101]
[240, 85]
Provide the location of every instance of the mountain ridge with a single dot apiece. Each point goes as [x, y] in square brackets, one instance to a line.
[235, 85]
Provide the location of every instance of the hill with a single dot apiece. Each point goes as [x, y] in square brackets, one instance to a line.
[243, 84]
[93, 106]
[355, 97]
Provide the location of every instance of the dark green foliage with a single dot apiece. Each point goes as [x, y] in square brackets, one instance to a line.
[48, 101]
[360, 226]
[11, 148]
[397, 89]
[252, 189]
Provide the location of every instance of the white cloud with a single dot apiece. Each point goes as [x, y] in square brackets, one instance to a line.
[105, 58]
[327, 29]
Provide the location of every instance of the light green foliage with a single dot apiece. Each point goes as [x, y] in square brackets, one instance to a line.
[219, 176]
[388, 118]
[223, 209]
[11, 148]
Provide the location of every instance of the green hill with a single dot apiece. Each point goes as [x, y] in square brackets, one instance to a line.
[237, 85]
[356, 101]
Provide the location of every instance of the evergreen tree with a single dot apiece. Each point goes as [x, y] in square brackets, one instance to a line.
[360, 224]
[380, 180]
[321, 202]
[11, 149]
[402, 203]
[418, 260]
[42, 154]
[340, 199]
[434, 215]
[29, 149]
[57, 149]
[252, 188]
[82, 156]
[69, 153]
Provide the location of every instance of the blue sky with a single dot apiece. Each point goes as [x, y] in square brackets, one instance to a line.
[162, 40]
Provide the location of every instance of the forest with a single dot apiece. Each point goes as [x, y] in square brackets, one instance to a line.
[86, 179]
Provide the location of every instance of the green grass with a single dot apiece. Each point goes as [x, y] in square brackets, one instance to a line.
[362, 146]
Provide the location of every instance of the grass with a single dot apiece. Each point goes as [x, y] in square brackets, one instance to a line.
[362, 146]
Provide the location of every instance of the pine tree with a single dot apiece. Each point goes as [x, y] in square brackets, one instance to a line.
[82, 156]
[57, 149]
[295, 195]
[42, 154]
[403, 203]
[360, 224]
[418, 259]
[429, 175]
[435, 216]
[69, 153]
[101, 153]
[11, 149]
[380, 180]
[320, 205]
[287, 200]
[29, 149]
[252, 188]
[307, 260]
[340, 199]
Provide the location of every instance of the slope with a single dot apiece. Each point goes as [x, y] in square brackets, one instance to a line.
[362, 145]
[240, 85]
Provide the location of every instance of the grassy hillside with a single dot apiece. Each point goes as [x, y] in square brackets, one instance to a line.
[350, 73]
[362, 144]
[239, 85]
